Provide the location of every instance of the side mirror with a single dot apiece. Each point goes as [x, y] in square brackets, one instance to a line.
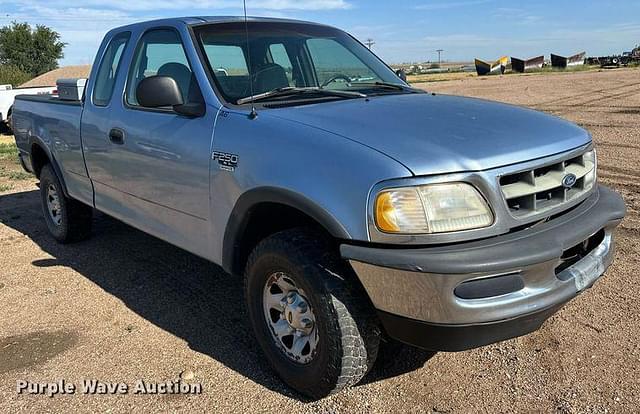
[158, 91]
[402, 74]
[163, 91]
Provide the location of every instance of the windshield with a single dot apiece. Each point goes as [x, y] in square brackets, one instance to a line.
[288, 55]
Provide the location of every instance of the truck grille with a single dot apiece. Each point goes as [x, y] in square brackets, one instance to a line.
[548, 187]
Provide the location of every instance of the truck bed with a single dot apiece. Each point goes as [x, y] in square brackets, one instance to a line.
[52, 124]
[48, 99]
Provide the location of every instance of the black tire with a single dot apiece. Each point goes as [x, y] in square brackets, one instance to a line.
[347, 326]
[75, 217]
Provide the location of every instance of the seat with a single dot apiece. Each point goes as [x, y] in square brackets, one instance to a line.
[183, 77]
[268, 77]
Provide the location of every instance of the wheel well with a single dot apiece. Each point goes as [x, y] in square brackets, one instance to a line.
[264, 220]
[39, 159]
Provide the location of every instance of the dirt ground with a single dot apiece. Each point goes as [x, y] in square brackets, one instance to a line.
[124, 306]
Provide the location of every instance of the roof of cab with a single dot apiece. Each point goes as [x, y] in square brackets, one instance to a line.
[198, 20]
[229, 19]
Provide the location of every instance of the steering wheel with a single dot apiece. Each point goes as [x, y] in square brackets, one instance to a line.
[335, 78]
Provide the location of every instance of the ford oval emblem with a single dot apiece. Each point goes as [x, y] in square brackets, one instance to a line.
[569, 180]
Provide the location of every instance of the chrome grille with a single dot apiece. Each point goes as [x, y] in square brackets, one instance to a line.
[548, 187]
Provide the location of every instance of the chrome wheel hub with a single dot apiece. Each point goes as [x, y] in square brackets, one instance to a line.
[53, 205]
[290, 318]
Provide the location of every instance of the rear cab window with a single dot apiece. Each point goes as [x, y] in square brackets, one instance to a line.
[108, 69]
[230, 67]
[279, 56]
[228, 60]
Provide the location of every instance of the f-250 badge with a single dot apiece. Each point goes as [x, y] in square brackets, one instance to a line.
[226, 161]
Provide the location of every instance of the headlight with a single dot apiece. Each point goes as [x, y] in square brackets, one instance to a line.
[434, 208]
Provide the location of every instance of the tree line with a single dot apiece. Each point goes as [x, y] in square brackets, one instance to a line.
[26, 52]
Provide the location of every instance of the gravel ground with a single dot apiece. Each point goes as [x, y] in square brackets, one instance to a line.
[124, 306]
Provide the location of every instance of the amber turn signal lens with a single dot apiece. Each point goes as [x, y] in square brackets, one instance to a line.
[385, 214]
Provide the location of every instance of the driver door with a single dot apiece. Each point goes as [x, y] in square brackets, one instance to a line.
[157, 161]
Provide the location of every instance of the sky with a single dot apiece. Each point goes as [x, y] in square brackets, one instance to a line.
[403, 31]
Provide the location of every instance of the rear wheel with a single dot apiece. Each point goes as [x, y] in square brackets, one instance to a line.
[67, 220]
[314, 324]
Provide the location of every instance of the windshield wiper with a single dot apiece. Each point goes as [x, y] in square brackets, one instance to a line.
[291, 90]
[389, 85]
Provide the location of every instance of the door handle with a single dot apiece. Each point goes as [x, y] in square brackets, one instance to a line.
[116, 136]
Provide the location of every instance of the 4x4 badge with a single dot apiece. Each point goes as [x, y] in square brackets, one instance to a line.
[226, 161]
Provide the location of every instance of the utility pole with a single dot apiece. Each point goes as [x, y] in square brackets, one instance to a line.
[439, 55]
[369, 42]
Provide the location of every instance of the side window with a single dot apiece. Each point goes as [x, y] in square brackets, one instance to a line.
[160, 52]
[279, 56]
[108, 70]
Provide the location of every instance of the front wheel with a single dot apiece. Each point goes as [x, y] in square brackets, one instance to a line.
[313, 322]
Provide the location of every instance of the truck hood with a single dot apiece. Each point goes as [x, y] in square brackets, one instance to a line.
[435, 134]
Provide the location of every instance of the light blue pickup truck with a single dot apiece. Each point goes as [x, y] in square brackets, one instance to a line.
[357, 208]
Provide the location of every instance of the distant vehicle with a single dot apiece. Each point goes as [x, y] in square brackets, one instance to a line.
[356, 207]
[415, 69]
[630, 57]
[626, 58]
[496, 68]
[609, 61]
[8, 94]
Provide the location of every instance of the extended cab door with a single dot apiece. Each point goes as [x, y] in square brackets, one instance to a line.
[151, 166]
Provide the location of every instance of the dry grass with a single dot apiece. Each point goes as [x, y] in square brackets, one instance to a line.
[441, 77]
[8, 151]
[12, 175]
[7, 139]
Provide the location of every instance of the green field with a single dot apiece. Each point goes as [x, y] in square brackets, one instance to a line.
[8, 151]
[11, 173]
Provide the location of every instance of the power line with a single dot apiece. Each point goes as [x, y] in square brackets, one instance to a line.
[369, 42]
[439, 55]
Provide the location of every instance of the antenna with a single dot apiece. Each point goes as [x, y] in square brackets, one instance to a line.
[254, 113]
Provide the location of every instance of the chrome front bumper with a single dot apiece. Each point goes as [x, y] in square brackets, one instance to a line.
[431, 296]
[423, 285]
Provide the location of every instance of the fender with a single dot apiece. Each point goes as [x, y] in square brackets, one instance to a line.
[239, 217]
[52, 160]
